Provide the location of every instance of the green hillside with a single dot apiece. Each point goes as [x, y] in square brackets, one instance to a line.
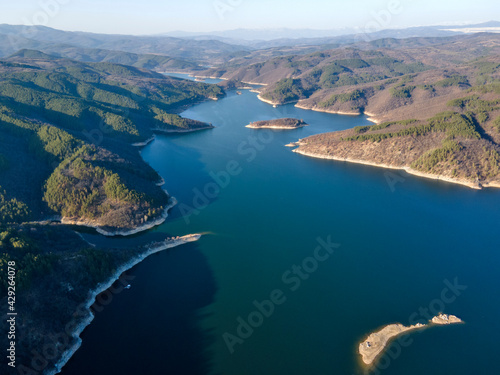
[67, 127]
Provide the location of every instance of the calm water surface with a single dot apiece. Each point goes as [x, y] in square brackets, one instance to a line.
[399, 238]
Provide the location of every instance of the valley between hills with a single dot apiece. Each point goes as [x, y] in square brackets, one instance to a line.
[435, 103]
[75, 109]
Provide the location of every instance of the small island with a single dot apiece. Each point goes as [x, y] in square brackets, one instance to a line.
[281, 123]
[376, 342]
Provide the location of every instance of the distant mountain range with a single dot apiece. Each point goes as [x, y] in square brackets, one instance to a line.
[261, 34]
[16, 37]
[267, 38]
[204, 48]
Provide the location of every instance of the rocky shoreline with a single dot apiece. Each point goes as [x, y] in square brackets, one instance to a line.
[316, 109]
[372, 347]
[255, 83]
[371, 116]
[168, 131]
[123, 232]
[144, 143]
[472, 185]
[151, 249]
[207, 77]
[274, 104]
[274, 127]
[281, 124]
[409, 170]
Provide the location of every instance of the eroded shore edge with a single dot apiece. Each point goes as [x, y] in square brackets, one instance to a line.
[374, 345]
[124, 232]
[408, 170]
[275, 127]
[373, 119]
[75, 334]
[106, 285]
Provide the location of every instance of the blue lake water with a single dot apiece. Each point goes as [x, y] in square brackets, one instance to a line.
[185, 76]
[400, 241]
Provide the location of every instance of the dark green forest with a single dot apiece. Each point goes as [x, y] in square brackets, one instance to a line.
[72, 124]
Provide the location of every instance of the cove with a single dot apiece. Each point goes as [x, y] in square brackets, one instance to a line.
[398, 241]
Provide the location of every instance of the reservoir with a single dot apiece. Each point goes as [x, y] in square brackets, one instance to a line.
[301, 260]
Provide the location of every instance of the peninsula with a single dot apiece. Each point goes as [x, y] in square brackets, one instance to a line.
[75, 140]
[69, 139]
[67, 273]
[436, 109]
[282, 123]
[371, 348]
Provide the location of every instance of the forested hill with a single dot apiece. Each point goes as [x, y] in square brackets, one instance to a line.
[66, 129]
[374, 67]
[155, 62]
[436, 102]
[16, 37]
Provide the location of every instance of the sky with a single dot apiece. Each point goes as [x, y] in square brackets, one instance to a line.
[141, 17]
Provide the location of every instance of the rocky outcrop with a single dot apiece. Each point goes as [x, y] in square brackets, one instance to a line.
[283, 123]
[373, 346]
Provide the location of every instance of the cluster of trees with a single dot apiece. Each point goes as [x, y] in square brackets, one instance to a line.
[454, 80]
[496, 123]
[353, 63]
[342, 98]
[286, 90]
[99, 265]
[361, 129]
[299, 64]
[455, 125]
[489, 87]
[490, 161]
[12, 210]
[343, 72]
[478, 108]
[487, 67]
[383, 125]
[68, 111]
[124, 102]
[116, 190]
[402, 92]
[429, 88]
[396, 67]
[449, 156]
[29, 264]
[57, 143]
[330, 75]
[387, 124]
[175, 92]
[77, 188]
[290, 89]
[445, 154]
[474, 104]
[176, 121]
[41, 250]
[75, 94]
[452, 123]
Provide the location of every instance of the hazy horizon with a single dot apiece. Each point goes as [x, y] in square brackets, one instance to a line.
[204, 16]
